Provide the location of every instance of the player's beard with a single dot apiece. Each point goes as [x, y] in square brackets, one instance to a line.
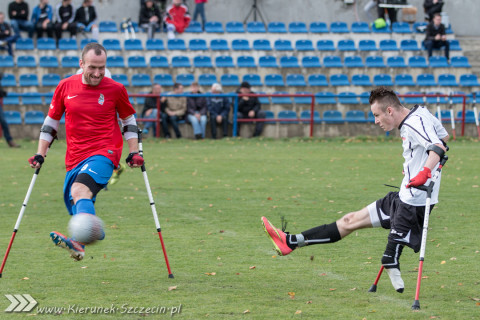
[92, 80]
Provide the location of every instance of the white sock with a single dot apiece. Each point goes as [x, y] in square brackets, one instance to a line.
[396, 278]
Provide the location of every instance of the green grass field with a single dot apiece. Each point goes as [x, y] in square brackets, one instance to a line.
[210, 196]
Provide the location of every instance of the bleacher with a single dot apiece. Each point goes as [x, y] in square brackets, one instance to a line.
[337, 63]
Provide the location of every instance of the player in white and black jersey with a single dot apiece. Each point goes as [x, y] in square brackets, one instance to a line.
[423, 140]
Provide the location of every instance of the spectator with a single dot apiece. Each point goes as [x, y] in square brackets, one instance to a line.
[65, 16]
[6, 37]
[197, 112]
[249, 108]
[86, 18]
[3, 122]
[218, 108]
[18, 15]
[149, 18]
[431, 7]
[176, 18]
[174, 112]
[200, 11]
[435, 36]
[42, 19]
[150, 108]
[392, 13]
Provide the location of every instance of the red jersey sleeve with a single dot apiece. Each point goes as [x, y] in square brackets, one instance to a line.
[57, 106]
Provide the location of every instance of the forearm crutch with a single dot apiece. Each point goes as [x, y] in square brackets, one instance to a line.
[474, 107]
[452, 117]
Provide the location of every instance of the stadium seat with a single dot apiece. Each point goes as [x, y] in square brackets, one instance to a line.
[274, 80]
[325, 97]
[332, 116]
[281, 100]
[401, 27]
[240, 45]
[447, 80]
[253, 78]
[311, 62]
[137, 62]
[417, 62]
[50, 79]
[256, 27]
[374, 62]
[360, 27]
[454, 45]
[355, 116]
[12, 98]
[277, 27]
[181, 62]
[262, 44]
[438, 62]
[6, 61]
[339, 80]
[202, 62]
[302, 100]
[13, 117]
[346, 45]
[469, 80]
[154, 44]
[121, 78]
[32, 98]
[107, 26]
[297, 27]
[46, 44]
[234, 27]
[385, 29]
[28, 80]
[133, 44]
[347, 97]
[361, 80]
[34, 117]
[283, 45]
[339, 27]
[219, 45]
[367, 45]
[47, 97]
[396, 62]
[86, 41]
[67, 44]
[224, 62]
[353, 62]
[163, 79]
[176, 44]
[365, 97]
[404, 79]
[295, 80]
[469, 116]
[265, 100]
[304, 45]
[437, 99]
[286, 116]
[194, 27]
[115, 62]
[159, 62]
[8, 80]
[246, 62]
[388, 45]
[267, 62]
[141, 80]
[112, 44]
[197, 45]
[123, 26]
[325, 45]
[382, 79]
[444, 115]
[332, 62]
[207, 79]
[459, 62]
[213, 27]
[459, 100]
[48, 62]
[413, 100]
[409, 45]
[24, 44]
[229, 80]
[289, 62]
[305, 116]
[426, 80]
[370, 117]
[71, 62]
[26, 62]
[185, 79]
[318, 27]
[317, 80]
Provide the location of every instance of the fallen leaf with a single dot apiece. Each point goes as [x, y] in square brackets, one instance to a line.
[323, 274]
[292, 295]
[309, 302]
[332, 289]
[84, 267]
[269, 198]
[25, 278]
[252, 267]
[311, 258]
[453, 259]
[274, 257]
[298, 312]
[210, 273]
[353, 289]
[460, 284]
[222, 231]
[246, 311]
[238, 273]
[443, 262]
[477, 304]
[475, 299]
[425, 277]
[172, 288]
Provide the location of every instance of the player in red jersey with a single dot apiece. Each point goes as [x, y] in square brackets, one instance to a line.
[90, 103]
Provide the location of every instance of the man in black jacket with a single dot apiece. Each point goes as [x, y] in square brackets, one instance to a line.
[150, 110]
[18, 15]
[436, 37]
[86, 18]
[149, 18]
[431, 7]
[65, 15]
[249, 108]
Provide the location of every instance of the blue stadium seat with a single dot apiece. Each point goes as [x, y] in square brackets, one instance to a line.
[447, 80]
[185, 79]
[401, 27]
[24, 44]
[13, 117]
[262, 44]
[459, 100]
[361, 80]
[224, 62]
[234, 27]
[297, 27]
[302, 100]
[444, 115]
[121, 78]
[219, 45]
[240, 45]
[133, 44]
[385, 29]
[365, 97]
[367, 45]
[12, 98]
[163, 79]
[459, 62]
[353, 62]
[413, 100]
[360, 27]
[396, 62]
[347, 97]
[295, 80]
[332, 62]
[404, 79]
[426, 80]
[436, 99]
[197, 45]
[194, 27]
[374, 62]
[455, 45]
[287, 116]
[268, 114]
[48, 96]
[115, 62]
[469, 116]
[409, 45]
[181, 62]
[256, 27]
[289, 62]
[86, 41]
[438, 62]
[277, 27]
[267, 62]
[325, 97]
[67, 44]
[339, 27]
[246, 62]
[176, 44]
[107, 26]
[318, 27]
[332, 116]
[48, 62]
[468, 80]
[71, 62]
[283, 45]
[159, 62]
[34, 117]
[137, 62]
[305, 116]
[339, 80]
[112, 44]
[266, 100]
[213, 27]
[9, 80]
[317, 80]
[46, 44]
[274, 80]
[304, 45]
[417, 62]
[50, 79]
[382, 79]
[141, 80]
[6, 61]
[207, 79]
[346, 45]
[325, 45]
[370, 117]
[281, 100]
[311, 62]
[355, 116]
[26, 62]
[417, 27]
[388, 45]
[32, 98]
[229, 80]
[154, 44]
[253, 78]
[28, 80]
[202, 62]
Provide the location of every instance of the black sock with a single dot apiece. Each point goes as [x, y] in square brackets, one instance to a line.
[328, 233]
[391, 256]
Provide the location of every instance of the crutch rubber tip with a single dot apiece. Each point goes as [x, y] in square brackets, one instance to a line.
[373, 288]
[0, 275]
[171, 276]
[400, 290]
[416, 305]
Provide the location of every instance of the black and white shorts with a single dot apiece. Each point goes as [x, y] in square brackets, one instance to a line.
[404, 221]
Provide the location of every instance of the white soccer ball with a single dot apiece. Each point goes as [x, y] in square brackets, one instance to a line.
[86, 228]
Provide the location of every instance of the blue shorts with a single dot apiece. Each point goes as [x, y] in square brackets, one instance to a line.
[100, 168]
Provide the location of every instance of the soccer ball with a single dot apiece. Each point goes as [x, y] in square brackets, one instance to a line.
[86, 228]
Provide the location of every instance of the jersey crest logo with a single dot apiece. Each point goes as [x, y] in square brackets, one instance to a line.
[101, 99]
